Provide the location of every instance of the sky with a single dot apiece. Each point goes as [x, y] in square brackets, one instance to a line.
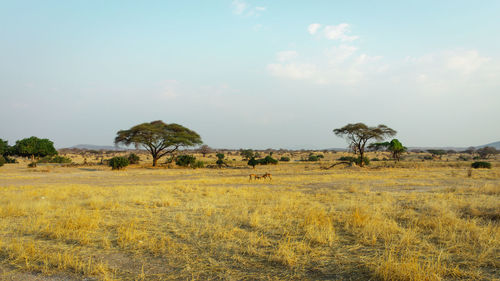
[251, 74]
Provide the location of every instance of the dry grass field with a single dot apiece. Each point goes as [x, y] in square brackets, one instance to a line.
[408, 221]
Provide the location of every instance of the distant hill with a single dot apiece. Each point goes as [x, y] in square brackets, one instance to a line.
[97, 147]
[493, 144]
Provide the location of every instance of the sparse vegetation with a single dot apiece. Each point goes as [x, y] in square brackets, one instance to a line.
[185, 160]
[419, 221]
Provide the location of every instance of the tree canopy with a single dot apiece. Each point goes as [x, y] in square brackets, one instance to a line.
[394, 146]
[359, 134]
[158, 138]
[34, 147]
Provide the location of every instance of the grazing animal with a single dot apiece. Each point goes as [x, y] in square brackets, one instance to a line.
[258, 177]
[267, 175]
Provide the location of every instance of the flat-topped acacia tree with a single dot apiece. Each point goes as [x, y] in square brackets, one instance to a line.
[158, 138]
[359, 134]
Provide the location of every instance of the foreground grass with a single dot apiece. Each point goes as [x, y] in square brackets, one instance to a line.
[432, 223]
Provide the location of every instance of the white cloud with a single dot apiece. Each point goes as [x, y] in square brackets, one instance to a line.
[295, 71]
[465, 62]
[239, 7]
[339, 54]
[339, 32]
[242, 8]
[286, 55]
[337, 65]
[313, 28]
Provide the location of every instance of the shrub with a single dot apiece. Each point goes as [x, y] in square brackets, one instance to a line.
[185, 160]
[268, 160]
[356, 160]
[55, 159]
[9, 160]
[313, 158]
[2, 161]
[32, 165]
[133, 158]
[285, 159]
[117, 163]
[366, 161]
[481, 164]
[375, 159]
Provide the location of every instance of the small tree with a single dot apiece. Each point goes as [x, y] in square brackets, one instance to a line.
[247, 154]
[253, 162]
[158, 138]
[34, 147]
[394, 146]
[220, 159]
[205, 149]
[4, 147]
[359, 134]
[486, 152]
[268, 160]
[118, 163]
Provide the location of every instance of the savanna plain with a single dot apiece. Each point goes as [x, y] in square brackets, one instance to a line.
[411, 220]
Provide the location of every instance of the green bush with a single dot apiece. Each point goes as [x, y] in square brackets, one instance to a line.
[347, 158]
[356, 160]
[268, 160]
[185, 160]
[481, 164]
[55, 159]
[366, 161]
[313, 158]
[117, 163]
[285, 159]
[2, 161]
[133, 158]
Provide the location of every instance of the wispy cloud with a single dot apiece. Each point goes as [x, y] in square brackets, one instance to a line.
[332, 32]
[242, 8]
[313, 28]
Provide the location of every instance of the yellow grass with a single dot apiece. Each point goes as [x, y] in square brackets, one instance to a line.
[415, 221]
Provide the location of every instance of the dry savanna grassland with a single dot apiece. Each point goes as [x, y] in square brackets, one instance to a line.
[413, 220]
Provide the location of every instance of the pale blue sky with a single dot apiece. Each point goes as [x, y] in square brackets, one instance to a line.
[259, 74]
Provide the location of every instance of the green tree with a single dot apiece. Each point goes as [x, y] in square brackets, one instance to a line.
[394, 146]
[4, 147]
[220, 159]
[247, 154]
[359, 134]
[253, 162]
[158, 138]
[34, 147]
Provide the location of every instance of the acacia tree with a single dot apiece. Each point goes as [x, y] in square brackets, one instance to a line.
[158, 138]
[359, 134]
[394, 146]
[205, 149]
[34, 147]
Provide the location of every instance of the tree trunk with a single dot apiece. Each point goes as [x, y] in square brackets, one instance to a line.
[361, 153]
[155, 160]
